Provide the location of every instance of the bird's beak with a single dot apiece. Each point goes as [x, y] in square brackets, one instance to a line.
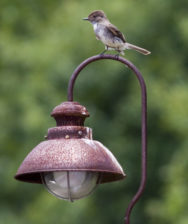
[85, 19]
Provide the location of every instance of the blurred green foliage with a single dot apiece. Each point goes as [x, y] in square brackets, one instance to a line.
[41, 43]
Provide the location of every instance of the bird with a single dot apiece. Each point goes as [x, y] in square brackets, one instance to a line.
[110, 35]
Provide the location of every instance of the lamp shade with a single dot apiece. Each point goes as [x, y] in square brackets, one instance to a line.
[70, 147]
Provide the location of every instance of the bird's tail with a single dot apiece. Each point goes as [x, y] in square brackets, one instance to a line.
[136, 48]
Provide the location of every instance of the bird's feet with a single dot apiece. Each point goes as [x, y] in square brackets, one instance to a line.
[103, 52]
[119, 52]
[117, 55]
[106, 49]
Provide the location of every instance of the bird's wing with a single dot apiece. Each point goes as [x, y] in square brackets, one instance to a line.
[114, 30]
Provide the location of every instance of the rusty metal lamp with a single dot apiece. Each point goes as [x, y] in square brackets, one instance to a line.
[69, 162]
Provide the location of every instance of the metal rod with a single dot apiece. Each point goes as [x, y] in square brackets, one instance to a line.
[68, 186]
[143, 122]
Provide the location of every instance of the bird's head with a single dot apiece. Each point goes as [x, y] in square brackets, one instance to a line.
[96, 17]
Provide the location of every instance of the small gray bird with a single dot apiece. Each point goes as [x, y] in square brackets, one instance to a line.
[110, 35]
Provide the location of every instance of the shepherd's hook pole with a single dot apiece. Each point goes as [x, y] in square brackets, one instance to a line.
[144, 118]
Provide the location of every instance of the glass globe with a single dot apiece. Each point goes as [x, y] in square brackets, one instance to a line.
[70, 185]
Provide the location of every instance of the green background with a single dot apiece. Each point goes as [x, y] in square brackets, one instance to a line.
[41, 43]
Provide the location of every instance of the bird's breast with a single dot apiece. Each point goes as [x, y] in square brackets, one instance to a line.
[99, 31]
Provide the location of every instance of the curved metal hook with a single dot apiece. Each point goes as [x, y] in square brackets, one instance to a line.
[144, 118]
